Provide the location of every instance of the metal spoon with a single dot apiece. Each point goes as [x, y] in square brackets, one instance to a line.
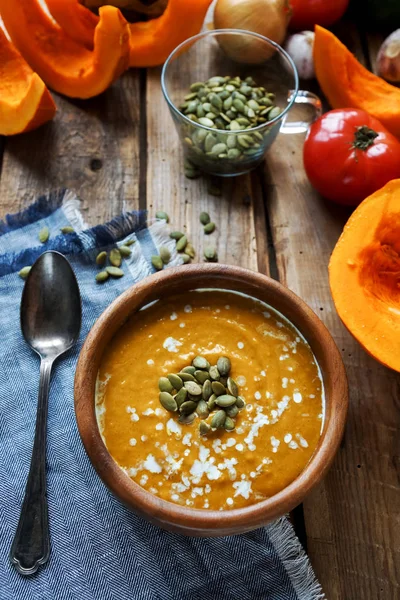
[50, 323]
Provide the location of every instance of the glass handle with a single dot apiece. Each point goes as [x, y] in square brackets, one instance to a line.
[302, 97]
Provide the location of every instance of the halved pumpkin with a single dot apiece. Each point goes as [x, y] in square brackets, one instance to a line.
[25, 102]
[364, 274]
[151, 41]
[346, 83]
[63, 64]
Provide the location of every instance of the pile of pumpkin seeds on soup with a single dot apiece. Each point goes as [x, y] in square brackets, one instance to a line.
[233, 105]
[204, 391]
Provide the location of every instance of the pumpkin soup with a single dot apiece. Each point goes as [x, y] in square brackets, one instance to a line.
[198, 460]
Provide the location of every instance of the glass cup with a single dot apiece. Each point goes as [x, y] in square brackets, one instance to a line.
[209, 148]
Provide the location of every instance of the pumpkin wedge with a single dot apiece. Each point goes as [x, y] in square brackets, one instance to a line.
[25, 102]
[347, 84]
[364, 275]
[151, 41]
[63, 64]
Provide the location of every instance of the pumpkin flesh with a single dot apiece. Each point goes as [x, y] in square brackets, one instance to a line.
[25, 102]
[347, 84]
[364, 274]
[64, 65]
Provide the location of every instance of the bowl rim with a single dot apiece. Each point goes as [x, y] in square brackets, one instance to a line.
[292, 93]
[168, 513]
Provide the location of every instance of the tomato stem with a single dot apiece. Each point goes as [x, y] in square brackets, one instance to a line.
[364, 138]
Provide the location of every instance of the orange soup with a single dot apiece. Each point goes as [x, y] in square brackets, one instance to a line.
[274, 434]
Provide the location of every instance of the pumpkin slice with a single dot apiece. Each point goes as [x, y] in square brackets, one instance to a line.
[364, 274]
[25, 102]
[151, 41]
[63, 64]
[346, 83]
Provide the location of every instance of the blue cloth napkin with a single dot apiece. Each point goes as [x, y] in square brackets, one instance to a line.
[100, 550]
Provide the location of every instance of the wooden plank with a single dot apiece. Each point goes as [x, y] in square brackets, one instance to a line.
[351, 520]
[92, 147]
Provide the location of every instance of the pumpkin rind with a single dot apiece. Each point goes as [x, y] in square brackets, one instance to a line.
[63, 64]
[364, 275]
[347, 84]
[25, 102]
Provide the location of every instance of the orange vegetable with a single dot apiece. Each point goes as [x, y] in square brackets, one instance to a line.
[25, 102]
[63, 64]
[151, 41]
[364, 273]
[346, 83]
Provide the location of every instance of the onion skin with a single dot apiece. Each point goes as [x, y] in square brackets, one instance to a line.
[388, 59]
[269, 18]
[299, 46]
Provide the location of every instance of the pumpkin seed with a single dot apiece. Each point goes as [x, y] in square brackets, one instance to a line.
[181, 244]
[202, 409]
[157, 262]
[130, 242]
[115, 271]
[204, 428]
[186, 258]
[195, 87]
[207, 390]
[187, 407]
[204, 218]
[44, 235]
[240, 402]
[243, 142]
[233, 153]
[201, 376]
[115, 257]
[160, 214]
[200, 362]
[214, 190]
[215, 101]
[192, 173]
[232, 387]
[206, 122]
[210, 254]
[224, 365]
[225, 400]
[102, 276]
[210, 142]
[229, 424]
[209, 228]
[218, 420]
[274, 112]
[232, 411]
[193, 388]
[218, 388]
[211, 402]
[186, 376]
[234, 126]
[187, 419]
[101, 258]
[164, 385]
[190, 251]
[67, 229]
[24, 272]
[125, 251]
[165, 254]
[190, 97]
[168, 401]
[214, 373]
[190, 370]
[181, 396]
[224, 381]
[176, 235]
[175, 381]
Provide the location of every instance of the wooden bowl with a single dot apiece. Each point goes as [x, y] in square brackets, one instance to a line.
[200, 522]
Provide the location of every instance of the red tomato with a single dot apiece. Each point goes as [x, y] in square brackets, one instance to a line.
[307, 13]
[348, 155]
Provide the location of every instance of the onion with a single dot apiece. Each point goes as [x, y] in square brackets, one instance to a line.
[299, 46]
[267, 17]
[388, 59]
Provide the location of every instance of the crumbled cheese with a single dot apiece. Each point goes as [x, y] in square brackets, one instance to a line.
[257, 396]
[143, 480]
[293, 445]
[311, 396]
[303, 443]
[274, 413]
[297, 397]
[173, 465]
[243, 488]
[175, 497]
[239, 430]
[160, 426]
[283, 404]
[159, 412]
[186, 439]
[174, 427]
[206, 504]
[216, 444]
[204, 466]
[197, 491]
[263, 373]
[147, 412]
[259, 421]
[229, 501]
[285, 382]
[187, 452]
[188, 308]
[268, 395]
[239, 447]
[207, 488]
[284, 356]
[189, 503]
[292, 380]
[132, 472]
[129, 409]
[228, 464]
[241, 380]
[173, 316]
[182, 325]
[150, 362]
[132, 442]
[171, 344]
[240, 345]
[274, 443]
[144, 438]
[287, 438]
[249, 407]
[230, 442]
[150, 464]
[253, 474]
[134, 417]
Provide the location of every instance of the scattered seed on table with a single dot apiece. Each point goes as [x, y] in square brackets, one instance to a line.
[176, 235]
[181, 244]
[214, 190]
[210, 254]
[157, 262]
[44, 235]
[24, 272]
[102, 276]
[186, 258]
[165, 254]
[209, 228]
[204, 218]
[130, 242]
[101, 258]
[160, 214]
[115, 257]
[125, 251]
[190, 251]
[115, 271]
[67, 229]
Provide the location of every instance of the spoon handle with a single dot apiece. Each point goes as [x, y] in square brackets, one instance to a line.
[31, 545]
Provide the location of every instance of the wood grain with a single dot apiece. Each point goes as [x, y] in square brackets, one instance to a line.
[92, 147]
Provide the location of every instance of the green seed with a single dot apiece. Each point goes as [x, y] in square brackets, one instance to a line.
[175, 381]
[200, 112]
[24, 272]
[202, 376]
[204, 428]
[186, 258]
[218, 388]
[200, 362]
[193, 388]
[216, 101]
[188, 141]
[102, 276]
[210, 142]
[232, 387]
[209, 228]
[181, 396]
[101, 258]
[191, 370]
[218, 420]
[160, 214]
[214, 373]
[234, 126]
[176, 235]
[115, 271]
[211, 402]
[238, 104]
[229, 424]
[165, 254]
[207, 390]
[225, 400]
[243, 142]
[187, 407]
[187, 419]
[210, 116]
[157, 262]
[168, 402]
[204, 218]
[206, 122]
[253, 104]
[207, 106]
[232, 411]
[202, 409]
[224, 365]
[181, 243]
[195, 87]
[115, 257]
[192, 173]
[274, 112]
[164, 385]
[130, 242]
[67, 229]
[190, 97]
[44, 235]
[125, 251]
[231, 141]
[240, 402]
[233, 153]
[228, 103]
[210, 254]
[214, 190]
[223, 380]
[190, 251]
[218, 148]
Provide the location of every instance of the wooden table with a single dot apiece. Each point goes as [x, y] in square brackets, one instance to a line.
[120, 151]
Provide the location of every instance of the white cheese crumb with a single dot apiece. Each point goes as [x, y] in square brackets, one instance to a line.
[287, 438]
[173, 316]
[285, 382]
[284, 357]
[186, 439]
[197, 491]
[129, 409]
[187, 452]
[229, 501]
[204, 466]
[240, 345]
[293, 445]
[253, 474]
[303, 443]
[134, 417]
[174, 427]
[311, 396]
[257, 396]
[259, 421]
[132, 442]
[175, 497]
[274, 443]
[132, 472]
[274, 413]
[263, 373]
[230, 442]
[144, 438]
[171, 344]
[268, 395]
[188, 308]
[297, 397]
[292, 380]
[239, 430]
[143, 479]
[160, 426]
[239, 447]
[147, 412]
[206, 504]
[182, 325]
[173, 465]
[243, 488]
[241, 380]
[150, 362]
[150, 464]
[189, 503]
[159, 412]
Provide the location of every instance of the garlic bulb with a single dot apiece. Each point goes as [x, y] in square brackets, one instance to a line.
[299, 46]
[388, 59]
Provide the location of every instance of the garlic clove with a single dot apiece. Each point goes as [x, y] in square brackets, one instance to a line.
[299, 46]
[388, 59]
